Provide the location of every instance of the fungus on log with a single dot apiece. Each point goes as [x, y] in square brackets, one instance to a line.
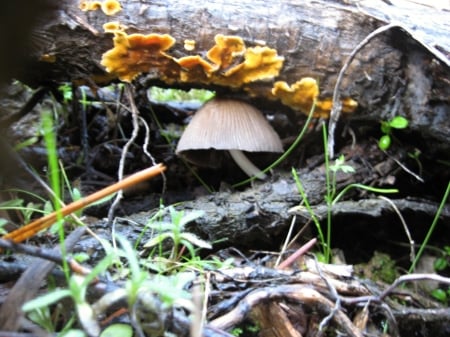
[313, 39]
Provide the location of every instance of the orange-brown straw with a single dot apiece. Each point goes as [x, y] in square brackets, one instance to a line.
[32, 228]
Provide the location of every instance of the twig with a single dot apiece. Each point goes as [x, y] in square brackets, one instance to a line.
[407, 170]
[413, 277]
[32, 228]
[412, 254]
[148, 154]
[303, 294]
[299, 252]
[334, 294]
[134, 134]
[337, 105]
[286, 241]
[397, 282]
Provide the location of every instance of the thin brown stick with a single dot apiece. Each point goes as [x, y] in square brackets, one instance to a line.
[299, 252]
[32, 228]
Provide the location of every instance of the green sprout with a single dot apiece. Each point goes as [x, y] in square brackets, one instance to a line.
[398, 122]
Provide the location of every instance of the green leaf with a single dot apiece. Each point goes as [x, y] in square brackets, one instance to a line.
[46, 300]
[347, 169]
[76, 194]
[439, 294]
[158, 239]
[28, 142]
[11, 203]
[81, 257]
[191, 216]
[118, 329]
[385, 127]
[398, 122]
[133, 261]
[385, 142]
[161, 226]
[195, 240]
[440, 264]
[339, 165]
[237, 332]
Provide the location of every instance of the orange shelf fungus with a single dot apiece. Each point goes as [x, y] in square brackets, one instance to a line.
[137, 53]
[109, 7]
[227, 63]
[89, 5]
[114, 26]
[189, 45]
[232, 64]
[195, 68]
[324, 106]
[300, 96]
[260, 63]
[227, 48]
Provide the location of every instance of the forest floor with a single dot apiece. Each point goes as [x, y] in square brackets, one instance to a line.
[194, 250]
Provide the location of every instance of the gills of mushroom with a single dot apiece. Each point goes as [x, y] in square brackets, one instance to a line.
[229, 125]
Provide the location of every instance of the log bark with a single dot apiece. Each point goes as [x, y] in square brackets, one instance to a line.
[394, 74]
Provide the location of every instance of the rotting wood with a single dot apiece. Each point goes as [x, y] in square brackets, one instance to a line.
[394, 74]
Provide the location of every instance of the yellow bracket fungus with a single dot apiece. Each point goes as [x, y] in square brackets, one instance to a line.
[89, 5]
[260, 63]
[137, 53]
[301, 95]
[109, 7]
[189, 45]
[227, 48]
[114, 26]
[228, 62]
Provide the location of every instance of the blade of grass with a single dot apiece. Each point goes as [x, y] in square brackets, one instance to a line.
[288, 151]
[55, 181]
[431, 230]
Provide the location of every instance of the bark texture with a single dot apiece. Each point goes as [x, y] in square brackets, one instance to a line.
[394, 74]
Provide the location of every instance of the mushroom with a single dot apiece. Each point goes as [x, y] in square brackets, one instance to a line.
[231, 125]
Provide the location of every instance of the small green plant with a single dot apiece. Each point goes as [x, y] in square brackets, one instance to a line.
[27, 210]
[441, 295]
[237, 332]
[174, 230]
[332, 196]
[442, 265]
[443, 262]
[66, 91]
[431, 229]
[118, 329]
[416, 156]
[398, 122]
[339, 165]
[253, 329]
[77, 290]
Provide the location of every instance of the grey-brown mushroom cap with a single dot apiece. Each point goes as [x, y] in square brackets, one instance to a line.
[225, 124]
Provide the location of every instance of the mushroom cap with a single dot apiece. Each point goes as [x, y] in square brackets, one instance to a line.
[226, 124]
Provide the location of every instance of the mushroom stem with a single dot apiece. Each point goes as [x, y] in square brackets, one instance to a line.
[246, 165]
